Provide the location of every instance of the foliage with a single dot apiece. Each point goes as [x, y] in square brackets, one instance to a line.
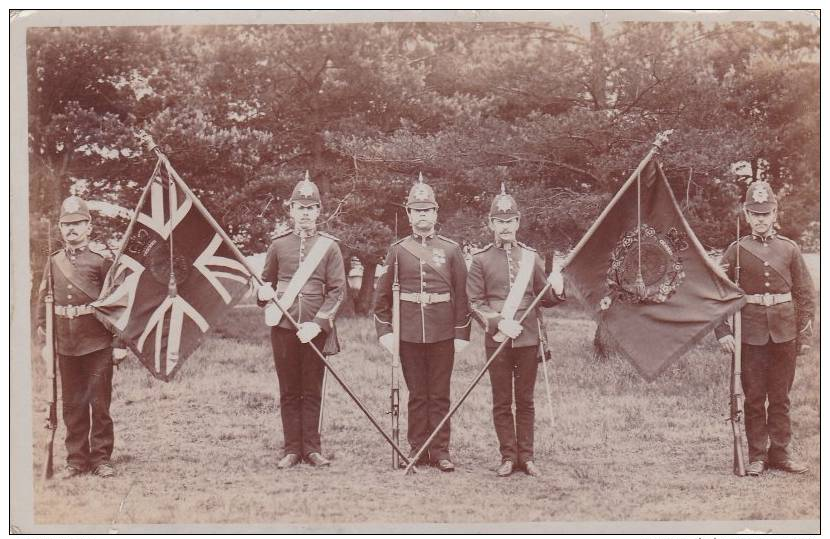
[560, 114]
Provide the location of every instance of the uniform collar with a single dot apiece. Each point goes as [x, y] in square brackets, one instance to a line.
[763, 239]
[76, 251]
[305, 235]
[422, 239]
[505, 244]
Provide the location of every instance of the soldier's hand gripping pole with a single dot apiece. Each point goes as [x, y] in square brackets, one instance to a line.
[49, 359]
[395, 390]
[735, 388]
[241, 258]
[475, 381]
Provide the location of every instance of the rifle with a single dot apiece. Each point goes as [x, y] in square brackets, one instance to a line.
[48, 353]
[736, 396]
[395, 391]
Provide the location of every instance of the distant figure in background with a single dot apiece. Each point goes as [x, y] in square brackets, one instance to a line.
[306, 268]
[505, 276]
[84, 348]
[776, 327]
[435, 321]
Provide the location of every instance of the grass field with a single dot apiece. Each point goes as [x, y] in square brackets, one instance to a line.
[204, 448]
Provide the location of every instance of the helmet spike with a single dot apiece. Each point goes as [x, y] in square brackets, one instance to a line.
[502, 189]
[420, 177]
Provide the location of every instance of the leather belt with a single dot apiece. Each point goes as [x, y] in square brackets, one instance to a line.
[768, 300]
[73, 311]
[425, 298]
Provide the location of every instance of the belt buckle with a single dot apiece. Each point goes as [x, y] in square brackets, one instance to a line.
[768, 300]
[71, 311]
[425, 298]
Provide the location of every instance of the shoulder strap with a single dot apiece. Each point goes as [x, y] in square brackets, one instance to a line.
[65, 267]
[776, 263]
[517, 291]
[273, 314]
[425, 255]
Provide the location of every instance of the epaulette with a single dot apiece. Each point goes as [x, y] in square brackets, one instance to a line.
[480, 250]
[281, 234]
[446, 239]
[329, 236]
[528, 247]
[785, 238]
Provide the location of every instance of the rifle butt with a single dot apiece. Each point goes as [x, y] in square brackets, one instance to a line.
[49, 465]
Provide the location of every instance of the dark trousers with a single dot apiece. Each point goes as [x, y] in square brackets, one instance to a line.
[767, 374]
[86, 387]
[514, 369]
[300, 376]
[427, 368]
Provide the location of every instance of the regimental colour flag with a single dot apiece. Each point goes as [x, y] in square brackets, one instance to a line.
[163, 315]
[643, 274]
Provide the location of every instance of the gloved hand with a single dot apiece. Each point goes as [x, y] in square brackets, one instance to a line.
[265, 292]
[511, 328]
[41, 333]
[307, 331]
[460, 344]
[118, 355]
[727, 344]
[388, 342]
[557, 283]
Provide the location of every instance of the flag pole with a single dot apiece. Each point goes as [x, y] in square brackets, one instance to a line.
[411, 466]
[661, 139]
[241, 258]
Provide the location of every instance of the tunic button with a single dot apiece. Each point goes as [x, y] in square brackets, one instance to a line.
[766, 284]
[766, 274]
[69, 286]
[766, 263]
[72, 257]
[69, 296]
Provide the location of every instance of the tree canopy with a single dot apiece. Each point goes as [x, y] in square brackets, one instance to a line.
[559, 114]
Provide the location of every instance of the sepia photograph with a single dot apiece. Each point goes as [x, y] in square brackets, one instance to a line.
[431, 271]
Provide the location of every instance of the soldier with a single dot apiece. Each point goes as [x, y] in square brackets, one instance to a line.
[776, 323]
[432, 276]
[84, 346]
[306, 267]
[505, 277]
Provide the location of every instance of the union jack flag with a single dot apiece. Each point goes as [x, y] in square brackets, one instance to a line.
[163, 315]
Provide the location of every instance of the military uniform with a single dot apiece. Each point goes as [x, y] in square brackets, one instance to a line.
[83, 346]
[493, 272]
[434, 311]
[778, 314]
[299, 369]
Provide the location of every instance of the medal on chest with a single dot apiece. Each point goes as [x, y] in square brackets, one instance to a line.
[439, 257]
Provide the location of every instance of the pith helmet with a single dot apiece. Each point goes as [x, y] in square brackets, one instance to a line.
[305, 193]
[504, 206]
[760, 198]
[74, 209]
[421, 196]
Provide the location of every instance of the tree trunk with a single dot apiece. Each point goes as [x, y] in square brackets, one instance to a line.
[363, 302]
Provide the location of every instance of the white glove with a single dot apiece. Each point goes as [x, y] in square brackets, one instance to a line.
[460, 344]
[511, 328]
[388, 342]
[557, 283]
[265, 292]
[727, 344]
[46, 355]
[307, 331]
[119, 353]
